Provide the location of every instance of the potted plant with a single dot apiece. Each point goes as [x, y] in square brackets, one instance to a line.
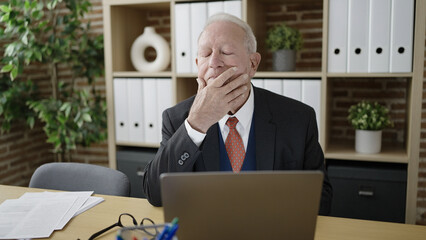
[46, 34]
[369, 119]
[284, 41]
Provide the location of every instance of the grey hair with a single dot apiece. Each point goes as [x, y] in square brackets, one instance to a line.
[249, 39]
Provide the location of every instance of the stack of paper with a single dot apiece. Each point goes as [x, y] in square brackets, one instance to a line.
[37, 215]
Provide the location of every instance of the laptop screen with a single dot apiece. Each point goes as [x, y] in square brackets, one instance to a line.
[247, 205]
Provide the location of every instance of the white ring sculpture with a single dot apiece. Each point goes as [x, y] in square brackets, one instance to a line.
[150, 38]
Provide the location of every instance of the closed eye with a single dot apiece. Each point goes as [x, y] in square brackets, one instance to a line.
[205, 54]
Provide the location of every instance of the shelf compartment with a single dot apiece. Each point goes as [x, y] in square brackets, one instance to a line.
[307, 18]
[345, 150]
[123, 34]
[344, 92]
[185, 88]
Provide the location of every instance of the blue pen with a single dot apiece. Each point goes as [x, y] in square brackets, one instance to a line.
[163, 233]
[172, 232]
[173, 229]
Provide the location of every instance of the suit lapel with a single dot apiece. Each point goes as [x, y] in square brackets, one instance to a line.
[265, 131]
[210, 149]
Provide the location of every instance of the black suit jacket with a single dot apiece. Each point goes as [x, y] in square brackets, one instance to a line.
[286, 139]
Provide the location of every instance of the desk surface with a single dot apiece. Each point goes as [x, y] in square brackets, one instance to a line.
[107, 212]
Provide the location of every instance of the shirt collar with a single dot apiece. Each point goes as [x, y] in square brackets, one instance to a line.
[244, 114]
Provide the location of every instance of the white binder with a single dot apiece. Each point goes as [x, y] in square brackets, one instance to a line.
[120, 110]
[183, 34]
[292, 88]
[214, 7]
[135, 109]
[358, 35]
[150, 110]
[379, 36]
[198, 20]
[257, 82]
[273, 85]
[401, 55]
[337, 35]
[233, 7]
[164, 101]
[311, 95]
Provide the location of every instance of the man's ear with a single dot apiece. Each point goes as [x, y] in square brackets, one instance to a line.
[254, 63]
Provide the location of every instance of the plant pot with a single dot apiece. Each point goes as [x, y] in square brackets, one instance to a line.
[284, 60]
[367, 141]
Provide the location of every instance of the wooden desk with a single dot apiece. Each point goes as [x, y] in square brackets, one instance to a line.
[107, 212]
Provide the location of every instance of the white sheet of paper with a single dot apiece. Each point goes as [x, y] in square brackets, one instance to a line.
[32, 218]
[91, 202]
[82, 197]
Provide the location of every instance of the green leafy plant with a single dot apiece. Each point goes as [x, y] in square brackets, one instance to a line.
[70, 121]
[13, 102]
[49, 33]
[366, 115]
[283, 37]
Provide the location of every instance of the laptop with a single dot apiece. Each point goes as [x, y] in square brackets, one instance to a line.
[248, 205]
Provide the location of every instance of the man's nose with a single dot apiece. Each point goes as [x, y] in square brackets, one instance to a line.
[216, 60]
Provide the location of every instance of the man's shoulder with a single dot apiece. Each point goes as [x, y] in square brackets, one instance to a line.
[181, 110]
[282, 109]
[279, 103]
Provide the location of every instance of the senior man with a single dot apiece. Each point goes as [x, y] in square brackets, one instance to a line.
[229, 125]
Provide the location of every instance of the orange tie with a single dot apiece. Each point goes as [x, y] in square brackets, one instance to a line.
[234, 145]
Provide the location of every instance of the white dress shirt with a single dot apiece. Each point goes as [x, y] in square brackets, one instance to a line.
[244, 116]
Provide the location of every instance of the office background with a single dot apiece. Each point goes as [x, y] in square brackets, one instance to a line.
[21, 152]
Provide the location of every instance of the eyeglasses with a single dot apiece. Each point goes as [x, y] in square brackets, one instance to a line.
[150, 227]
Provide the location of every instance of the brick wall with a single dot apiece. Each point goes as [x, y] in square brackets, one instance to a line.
[21, 152]
[421, 197]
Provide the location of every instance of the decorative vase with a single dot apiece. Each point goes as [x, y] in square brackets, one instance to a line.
[150, 38]
[284, 60]
[367, 141]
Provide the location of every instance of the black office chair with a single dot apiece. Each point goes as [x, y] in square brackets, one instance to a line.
[81, 177]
